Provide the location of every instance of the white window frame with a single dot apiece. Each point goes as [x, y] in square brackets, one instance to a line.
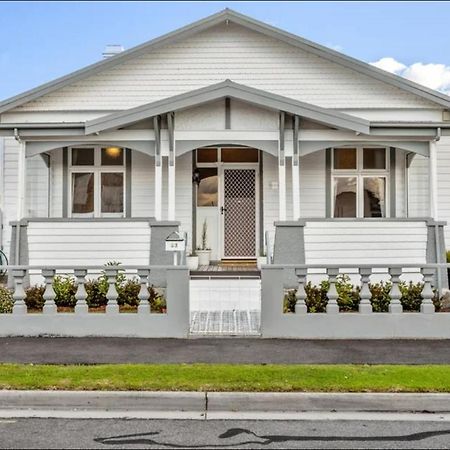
[360, 173]
[97, 169]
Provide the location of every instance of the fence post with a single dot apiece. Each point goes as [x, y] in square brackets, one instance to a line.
[81, 307]
[49, 293]
[365, 306]
[332, 305]
[427, 305]
[144, 304]
[112, 295]
[395, 305]
[19, 294]
[300, 296]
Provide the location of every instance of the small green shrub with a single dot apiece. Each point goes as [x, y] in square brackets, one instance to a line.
[348, 299]
[157, 300]
[316, 297]
[380, 296]
[34, 297]
[448, 257]
[96, 293]
[65, 289]
[6, 301]
[128, 292]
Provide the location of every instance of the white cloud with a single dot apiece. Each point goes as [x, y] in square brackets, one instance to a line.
[434, 76]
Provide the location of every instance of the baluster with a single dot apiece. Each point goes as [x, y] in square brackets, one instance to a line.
[49, 293]
[112, 295]
[395, 305]
[144, 304]
[365, 307]
[19, 293]
[81, 306]
[300, 296]
[427, 305]
[332, 305]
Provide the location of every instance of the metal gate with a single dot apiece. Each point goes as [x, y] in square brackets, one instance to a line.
[239, 213]
[225, 306]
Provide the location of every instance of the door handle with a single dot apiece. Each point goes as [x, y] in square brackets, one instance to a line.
[222, 210]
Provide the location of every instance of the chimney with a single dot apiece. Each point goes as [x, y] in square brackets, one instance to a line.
[112, 50]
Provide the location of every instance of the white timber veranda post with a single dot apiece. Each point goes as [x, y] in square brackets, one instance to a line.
[171, 167]
[21, 179]
[281, 171]
[295, 172]
[158, 168]
[433, 180]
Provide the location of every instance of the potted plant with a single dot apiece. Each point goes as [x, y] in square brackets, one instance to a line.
[204, 252]
[262, 259]
[192, 261]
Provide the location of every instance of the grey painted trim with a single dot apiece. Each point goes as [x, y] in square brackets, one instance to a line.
[171, 126]
[230, 89]
[295, 149]
[245, 21]
[41, 125]
[38, 147]
[85, 219]
[194, 203]
[261, 205]
[227, 113]
[421, 125]
[328, 182]
[436, 251]
[422, 148]
[393, 181]
[270, 147]
[128, 182]
[281, 156]
[65, 182]
[428, 220]
[157, 130]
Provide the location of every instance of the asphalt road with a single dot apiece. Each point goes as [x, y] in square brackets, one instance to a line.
[222, 350]
[72, 433]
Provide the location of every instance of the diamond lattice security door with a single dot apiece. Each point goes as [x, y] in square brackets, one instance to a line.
[240, 213]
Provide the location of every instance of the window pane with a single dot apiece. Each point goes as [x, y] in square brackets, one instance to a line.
[112, 156]
[237, 155]
[345, 197]
[82, 193]
[345, 158]
[374, 158]
[207, 192]
[374, 197]
[112, 192]
[207, 155]
[82, 157]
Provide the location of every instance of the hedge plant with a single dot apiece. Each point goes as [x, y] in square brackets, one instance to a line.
[6, 301]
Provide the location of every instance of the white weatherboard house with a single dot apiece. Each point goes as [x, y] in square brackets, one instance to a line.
[284, 147]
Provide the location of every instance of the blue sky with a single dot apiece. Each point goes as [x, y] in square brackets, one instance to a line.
[45, 40]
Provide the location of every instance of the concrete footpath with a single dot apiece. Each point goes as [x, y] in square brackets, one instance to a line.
[46, 350]
[214, 405]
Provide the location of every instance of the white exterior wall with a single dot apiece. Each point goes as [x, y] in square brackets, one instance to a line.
[443, 170]
[56, 183]
[418, 192]
[312, 185]
[37, 193]
[88, 243]
[227, 52]
[377, 242]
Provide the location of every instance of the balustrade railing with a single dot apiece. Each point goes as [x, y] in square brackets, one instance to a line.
[395, 275]
[19, 280]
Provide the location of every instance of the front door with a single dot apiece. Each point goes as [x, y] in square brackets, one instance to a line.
[239, 213]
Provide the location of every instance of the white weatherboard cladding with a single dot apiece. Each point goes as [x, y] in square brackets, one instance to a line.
[210, 116]
[56, 183]
[400, 184]
[365, 242]
[245, 116]
[418, 192]
[270, 191]
[312, 185]
[443, 182]
[37, 179]
[226, 52]
[88, 243]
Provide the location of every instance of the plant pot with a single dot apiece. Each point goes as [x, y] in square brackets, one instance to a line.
[260, 261]
[203, 257]
[192, 262]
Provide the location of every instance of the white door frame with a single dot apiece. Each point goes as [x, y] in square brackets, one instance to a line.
[221, 169]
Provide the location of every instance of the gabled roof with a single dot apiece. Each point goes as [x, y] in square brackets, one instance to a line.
[245, 21]
[228, 89]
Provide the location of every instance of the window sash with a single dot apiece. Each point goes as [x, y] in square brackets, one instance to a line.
[97, 169]
[360, 174]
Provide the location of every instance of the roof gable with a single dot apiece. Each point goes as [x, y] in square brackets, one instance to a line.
[233, 90]
[249, 23]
